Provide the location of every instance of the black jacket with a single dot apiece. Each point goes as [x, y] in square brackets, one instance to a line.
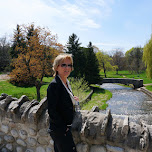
[60, 106]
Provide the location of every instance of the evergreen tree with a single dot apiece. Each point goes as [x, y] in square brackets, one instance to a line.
[73, 47]
[17, 42]
[91, 66]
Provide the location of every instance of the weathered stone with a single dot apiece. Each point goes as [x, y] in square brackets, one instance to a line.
[48, 149]
[29, 150]
[19, 149]
[42, 141]
[21, 142]
[9, 139]
[30, 105]
[14, 133]
[114, 149]
[23, 134]
[32, 132]
[36, 111]
[32, 141]
[43, 132]
[1, 133]
[5, 102]
[40, 149]
[51, 142]
[144, 139]
[95, 109]
[12, 124]
[105, 122]
[4, 95]
[14, 106]
[125, 127]
[97, 149]
[9, 147]
[82, 148]
[1, 140]
[133, 137]
[4, 150]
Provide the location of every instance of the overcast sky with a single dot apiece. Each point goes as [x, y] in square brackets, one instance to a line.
[108, 24]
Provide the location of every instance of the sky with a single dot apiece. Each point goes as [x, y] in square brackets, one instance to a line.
[108, 24]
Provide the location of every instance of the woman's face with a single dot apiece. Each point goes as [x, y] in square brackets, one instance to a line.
[65, 68]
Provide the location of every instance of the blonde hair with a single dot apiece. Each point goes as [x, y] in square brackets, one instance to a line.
[59, 59]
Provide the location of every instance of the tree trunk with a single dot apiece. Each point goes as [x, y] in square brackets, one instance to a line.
[38, 86]
[104, 69]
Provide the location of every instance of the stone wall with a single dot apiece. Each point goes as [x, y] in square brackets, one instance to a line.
[24, 124]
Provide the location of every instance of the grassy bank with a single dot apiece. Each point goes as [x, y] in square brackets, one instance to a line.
[149, 87]
[99, 98]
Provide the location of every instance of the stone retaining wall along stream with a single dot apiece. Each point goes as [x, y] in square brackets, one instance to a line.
[24, 124]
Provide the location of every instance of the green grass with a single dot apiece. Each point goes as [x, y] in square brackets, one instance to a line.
[99, 98]
[30, 92]
[149, 87]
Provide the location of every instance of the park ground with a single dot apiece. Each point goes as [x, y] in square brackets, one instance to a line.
[99, 97]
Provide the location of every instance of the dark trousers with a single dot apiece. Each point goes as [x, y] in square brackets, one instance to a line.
[63, 142]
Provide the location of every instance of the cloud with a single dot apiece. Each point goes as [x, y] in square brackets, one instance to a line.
[79, 13]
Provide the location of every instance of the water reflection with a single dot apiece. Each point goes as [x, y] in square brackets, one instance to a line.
[127, 101]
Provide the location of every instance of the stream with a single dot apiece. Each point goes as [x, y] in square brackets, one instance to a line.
[127, 101]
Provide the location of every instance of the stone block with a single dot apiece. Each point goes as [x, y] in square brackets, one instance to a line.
[21, 142]
[97, 148]
[95, 109]
[114, 149]
[14, 133]
[32, 132]
[105, 122]
[4, 103]
[32, 141]
[30, 105]
[23, 134]
[40, 149]
[9, 147]
[36, 111]
[125, 127]
[82, 148]
[9, 139]
[5, 128]
[48, 149]
[14, 106]
[19, 149]
[29, 150]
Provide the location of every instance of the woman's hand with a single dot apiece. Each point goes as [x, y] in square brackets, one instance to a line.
[76, 98]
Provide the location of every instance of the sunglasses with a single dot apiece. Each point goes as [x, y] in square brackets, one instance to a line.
[66, 65]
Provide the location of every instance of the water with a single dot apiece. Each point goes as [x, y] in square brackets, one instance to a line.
[127, 101]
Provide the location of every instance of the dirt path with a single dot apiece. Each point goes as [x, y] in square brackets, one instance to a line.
[4, 77]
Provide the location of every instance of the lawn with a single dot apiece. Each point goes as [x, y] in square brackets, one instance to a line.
[99, 98]
[15, 91]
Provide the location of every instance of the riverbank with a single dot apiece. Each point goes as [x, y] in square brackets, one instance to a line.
[145, 90]
[99, 98]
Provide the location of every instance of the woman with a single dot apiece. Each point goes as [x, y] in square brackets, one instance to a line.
[60, 105]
